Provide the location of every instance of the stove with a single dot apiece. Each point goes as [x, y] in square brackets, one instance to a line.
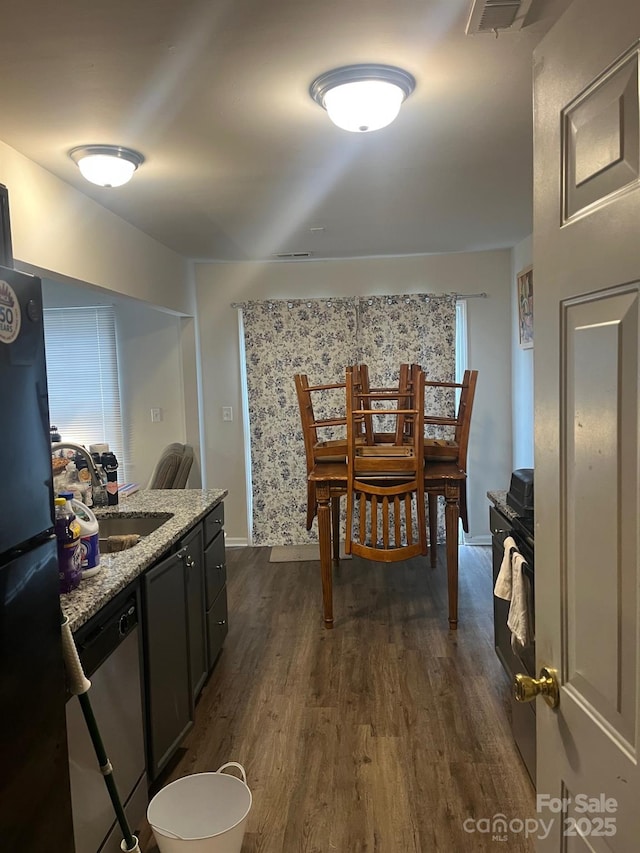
[505, 521]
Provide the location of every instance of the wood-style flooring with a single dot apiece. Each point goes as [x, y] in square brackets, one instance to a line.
[382, 736]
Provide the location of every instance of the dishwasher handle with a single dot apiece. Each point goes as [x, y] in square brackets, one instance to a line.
[104, 637]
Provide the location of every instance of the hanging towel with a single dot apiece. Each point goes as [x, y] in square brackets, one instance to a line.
[519, 619]
[503, 585]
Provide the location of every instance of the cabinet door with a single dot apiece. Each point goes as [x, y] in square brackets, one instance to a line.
[217, 626]
[193, 551]
[215, 568]
[168, 681]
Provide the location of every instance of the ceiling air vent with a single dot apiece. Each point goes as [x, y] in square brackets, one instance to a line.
[493, 16]
[289, 256]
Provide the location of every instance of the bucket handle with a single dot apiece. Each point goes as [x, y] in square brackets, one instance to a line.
[234, 764]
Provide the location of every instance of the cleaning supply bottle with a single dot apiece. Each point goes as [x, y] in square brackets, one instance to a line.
[89, 544]
[110, 467]
[68, 538]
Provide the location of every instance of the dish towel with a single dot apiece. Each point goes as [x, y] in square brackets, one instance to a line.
[504, 581]
[518, 620]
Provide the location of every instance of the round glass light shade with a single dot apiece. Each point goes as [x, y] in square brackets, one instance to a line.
[106, 166]
[363, 105]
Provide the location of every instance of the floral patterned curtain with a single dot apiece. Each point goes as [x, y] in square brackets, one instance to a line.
[320, 338]
[418, 329]
[281, 339]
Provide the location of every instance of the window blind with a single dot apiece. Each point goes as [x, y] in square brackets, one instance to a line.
[82, 375]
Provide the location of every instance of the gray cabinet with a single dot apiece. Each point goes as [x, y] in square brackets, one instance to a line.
[184, 626]
[166, 647]
[192, 550]
[215, 582]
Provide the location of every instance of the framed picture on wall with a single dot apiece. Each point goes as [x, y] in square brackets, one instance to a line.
[525, 307]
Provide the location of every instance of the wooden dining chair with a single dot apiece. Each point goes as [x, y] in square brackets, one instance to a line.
[318, 449]
[454, 448]
[402, 394]
[385, 481]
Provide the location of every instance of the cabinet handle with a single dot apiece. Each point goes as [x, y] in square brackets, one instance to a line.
[220, 566]
[189, 562]
[222, 622]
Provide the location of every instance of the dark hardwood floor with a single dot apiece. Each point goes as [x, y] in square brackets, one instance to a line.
[382, 736]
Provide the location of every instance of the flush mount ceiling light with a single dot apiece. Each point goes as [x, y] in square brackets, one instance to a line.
[106, 165]
[362, 98]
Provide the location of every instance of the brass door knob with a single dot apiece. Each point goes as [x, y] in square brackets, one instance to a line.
[525, 688]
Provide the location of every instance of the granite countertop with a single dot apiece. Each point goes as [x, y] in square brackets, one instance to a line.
[186, 506]
[499, 499]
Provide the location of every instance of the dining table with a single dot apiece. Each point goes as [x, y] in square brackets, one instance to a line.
[440, 479]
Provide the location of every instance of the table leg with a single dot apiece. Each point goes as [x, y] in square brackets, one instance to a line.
[432, 501]
[452, 516]
[324, 535]
[335, 529]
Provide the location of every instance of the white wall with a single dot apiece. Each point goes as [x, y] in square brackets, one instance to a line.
[150, 367]
[218, 285]
[522, 368]
[64, 236]
[60, 233]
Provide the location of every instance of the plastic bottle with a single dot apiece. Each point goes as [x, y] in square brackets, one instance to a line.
[84, 480]
[72, 483]
[68, 538]
[110, 466]
[89, 545]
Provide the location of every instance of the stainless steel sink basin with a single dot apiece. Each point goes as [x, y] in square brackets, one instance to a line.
[122, 525]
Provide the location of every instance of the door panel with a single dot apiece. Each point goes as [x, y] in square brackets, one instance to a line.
[600, 335]
[600, 145]
[586, 363]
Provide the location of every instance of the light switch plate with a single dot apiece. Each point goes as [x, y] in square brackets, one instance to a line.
[156, 416]
[227, 413]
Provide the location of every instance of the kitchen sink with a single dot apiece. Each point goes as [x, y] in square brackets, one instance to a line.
[123, 525]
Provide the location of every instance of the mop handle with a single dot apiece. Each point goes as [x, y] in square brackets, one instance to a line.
[79, 685]
[77, 680]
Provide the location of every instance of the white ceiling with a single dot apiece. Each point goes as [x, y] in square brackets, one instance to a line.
[240, 162]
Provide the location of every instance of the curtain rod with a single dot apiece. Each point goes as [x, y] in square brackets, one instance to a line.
[337, 299]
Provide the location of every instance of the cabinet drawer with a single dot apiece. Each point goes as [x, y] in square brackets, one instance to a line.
[215, 568]
[213, 523]
[217, 626]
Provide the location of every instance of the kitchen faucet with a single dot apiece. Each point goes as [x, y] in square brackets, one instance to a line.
[98, 480]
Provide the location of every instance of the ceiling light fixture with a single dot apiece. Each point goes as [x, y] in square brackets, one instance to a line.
[106, 165]
[362, 98]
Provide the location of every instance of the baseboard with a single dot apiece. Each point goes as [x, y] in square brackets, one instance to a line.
[483, 539]
[236, 542]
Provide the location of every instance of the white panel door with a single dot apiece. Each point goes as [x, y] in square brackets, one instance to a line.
[586, 303]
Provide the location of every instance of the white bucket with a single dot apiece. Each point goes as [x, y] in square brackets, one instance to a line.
[201, 813]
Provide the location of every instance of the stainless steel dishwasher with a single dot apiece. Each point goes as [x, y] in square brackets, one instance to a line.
[109, 648]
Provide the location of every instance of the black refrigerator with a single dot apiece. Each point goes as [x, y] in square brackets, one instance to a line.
[35, 802]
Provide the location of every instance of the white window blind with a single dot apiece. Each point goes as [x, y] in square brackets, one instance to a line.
[82, 375]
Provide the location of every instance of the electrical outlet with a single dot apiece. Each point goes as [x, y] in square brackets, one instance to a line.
[156, 416]
[227, 413]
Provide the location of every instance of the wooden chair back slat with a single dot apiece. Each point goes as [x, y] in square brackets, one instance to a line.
[385, 481]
